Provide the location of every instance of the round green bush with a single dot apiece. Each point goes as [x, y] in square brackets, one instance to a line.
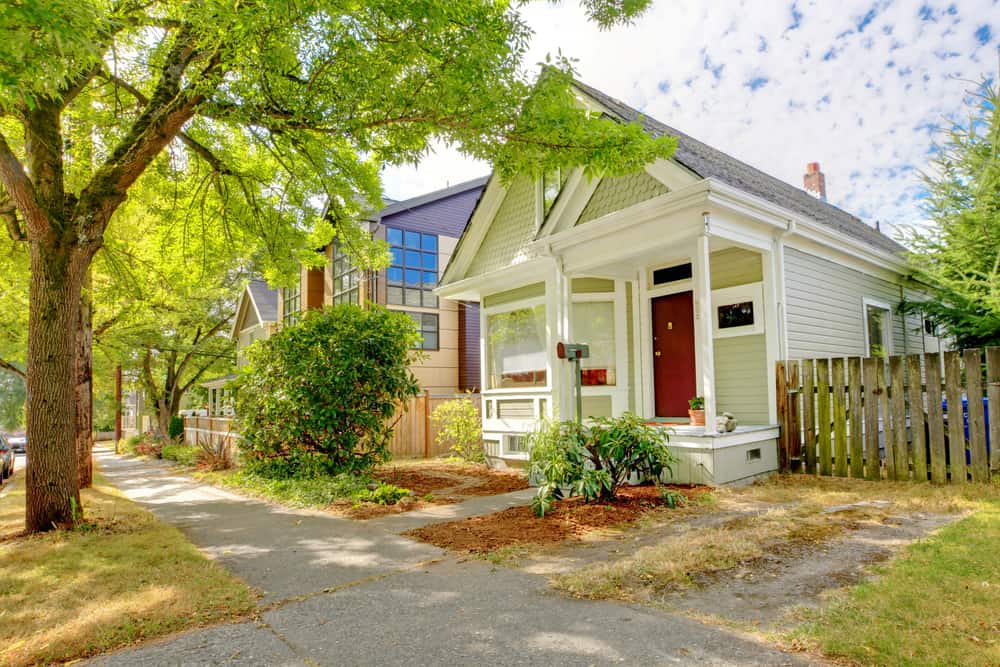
[320, 396]
[175, 429]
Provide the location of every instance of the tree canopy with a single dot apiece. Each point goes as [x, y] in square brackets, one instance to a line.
[958, 255]
[293, 106]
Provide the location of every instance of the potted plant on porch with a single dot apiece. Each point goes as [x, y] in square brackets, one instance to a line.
[696, 411]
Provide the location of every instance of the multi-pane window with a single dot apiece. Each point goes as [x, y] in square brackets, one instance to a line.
[345, 278]
[291, 304]
[427, 324]
[413, 273]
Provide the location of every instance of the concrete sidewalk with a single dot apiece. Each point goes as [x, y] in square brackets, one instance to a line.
[343, 592]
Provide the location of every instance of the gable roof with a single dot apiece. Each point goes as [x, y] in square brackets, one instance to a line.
[708, 162]
[264, 299]
[446, 211]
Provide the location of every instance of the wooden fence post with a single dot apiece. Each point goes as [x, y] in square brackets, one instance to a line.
[869, 368]
[781, 385]
[956, 423]
[900, 459]
[427, 424]
[809, 414]
[839, 419]
[918, 439]
[993, 396]
[980, 467]
[885, 424]
[854, 405]
[935, 419]
[795, 423]
[823, 415]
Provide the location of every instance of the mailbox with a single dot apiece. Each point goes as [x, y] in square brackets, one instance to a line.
[573, 351]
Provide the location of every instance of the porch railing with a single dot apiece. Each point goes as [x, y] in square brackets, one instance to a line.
[927, 417]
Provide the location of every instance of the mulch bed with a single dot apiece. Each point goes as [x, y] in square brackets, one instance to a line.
[569, 519]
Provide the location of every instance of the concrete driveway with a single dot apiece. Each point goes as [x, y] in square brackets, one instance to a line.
[343, 592]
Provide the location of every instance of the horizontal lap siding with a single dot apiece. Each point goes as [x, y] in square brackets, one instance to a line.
[824, 307]
[735, 266]
[741, 378]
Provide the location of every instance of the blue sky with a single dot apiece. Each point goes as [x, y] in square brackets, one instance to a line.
[860, 87]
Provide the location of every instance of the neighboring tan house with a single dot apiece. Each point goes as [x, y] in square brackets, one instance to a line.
[690, 278]
[422, 233]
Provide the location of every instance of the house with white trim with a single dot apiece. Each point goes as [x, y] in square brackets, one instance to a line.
[692, 277]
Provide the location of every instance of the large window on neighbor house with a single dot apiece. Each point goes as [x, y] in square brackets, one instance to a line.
[427, 325]
[345, 277]
[515, 348]
[878, 329]
[413, 273]
[594, 324]
[291, 304]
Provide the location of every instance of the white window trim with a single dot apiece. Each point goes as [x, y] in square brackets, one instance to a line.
[484, 314]
[865, 302]
[753, 292]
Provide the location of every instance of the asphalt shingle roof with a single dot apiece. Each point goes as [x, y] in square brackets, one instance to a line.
[265, 298]
[708, 162]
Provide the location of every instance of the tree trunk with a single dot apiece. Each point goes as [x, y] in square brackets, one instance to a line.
[52, 480]
[85, 390]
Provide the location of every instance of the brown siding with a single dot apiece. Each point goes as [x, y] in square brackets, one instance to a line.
[312, 296]
[468, 346]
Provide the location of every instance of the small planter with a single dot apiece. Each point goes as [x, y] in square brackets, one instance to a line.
[697, 417]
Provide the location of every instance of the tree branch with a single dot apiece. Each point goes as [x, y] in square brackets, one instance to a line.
[20, 189]
[11, 368]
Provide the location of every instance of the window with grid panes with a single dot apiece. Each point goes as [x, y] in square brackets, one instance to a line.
[292, 304]
[413, 273]
[345, 278]
[427, 324]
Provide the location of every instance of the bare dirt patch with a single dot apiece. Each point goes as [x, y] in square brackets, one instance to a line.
[569, 519]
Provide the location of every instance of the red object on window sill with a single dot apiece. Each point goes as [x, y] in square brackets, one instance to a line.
[594, 376]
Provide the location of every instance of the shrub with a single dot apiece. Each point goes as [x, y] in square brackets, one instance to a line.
[214, 454]
[460, 428]
[323, 392]
[175, 429]
[183, 454]
[128, 445]
[149, 447]
[595, 460]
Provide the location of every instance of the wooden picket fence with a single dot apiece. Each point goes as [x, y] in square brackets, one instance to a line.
[877, 418]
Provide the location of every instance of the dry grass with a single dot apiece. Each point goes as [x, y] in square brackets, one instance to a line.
[789, 513]
[936, 604]
[120, 578]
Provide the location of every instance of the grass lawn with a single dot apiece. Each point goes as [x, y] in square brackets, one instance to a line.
[936, 604]
[120, 578]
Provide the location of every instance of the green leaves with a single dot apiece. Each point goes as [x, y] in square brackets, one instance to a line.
[320, 396]
[594, 460]
[958, 255]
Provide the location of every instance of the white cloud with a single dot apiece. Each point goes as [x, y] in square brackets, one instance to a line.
[855, 85]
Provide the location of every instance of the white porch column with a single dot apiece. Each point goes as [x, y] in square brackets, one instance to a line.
[703, 323]
[557, 308]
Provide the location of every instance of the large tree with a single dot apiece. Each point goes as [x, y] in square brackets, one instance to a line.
[331, 89]
[958, 253]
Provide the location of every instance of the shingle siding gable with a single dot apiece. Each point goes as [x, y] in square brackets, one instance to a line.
[511, 230]
[614, 193]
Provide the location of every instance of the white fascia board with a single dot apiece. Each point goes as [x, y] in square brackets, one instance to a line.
[233, 331]
[511, 277]
[672, 174]
[475, 232]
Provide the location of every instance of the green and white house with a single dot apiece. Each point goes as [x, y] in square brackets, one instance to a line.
[690, 278]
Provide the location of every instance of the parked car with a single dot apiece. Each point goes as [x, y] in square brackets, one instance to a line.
[6, 458]
[19, 441]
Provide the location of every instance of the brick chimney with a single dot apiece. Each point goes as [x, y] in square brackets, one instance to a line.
[815, 181]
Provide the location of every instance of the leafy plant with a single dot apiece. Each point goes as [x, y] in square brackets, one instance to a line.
[595, 460]
[183, 454]
[460, 427]
[387, 494]
[175, 430]
[673, 498]
[696, 403]
[320, 396]
[214, 454]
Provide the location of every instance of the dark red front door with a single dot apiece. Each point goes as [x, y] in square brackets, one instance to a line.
[674, 374]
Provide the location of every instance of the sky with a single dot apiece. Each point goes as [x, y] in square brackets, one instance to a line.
[862, 88]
